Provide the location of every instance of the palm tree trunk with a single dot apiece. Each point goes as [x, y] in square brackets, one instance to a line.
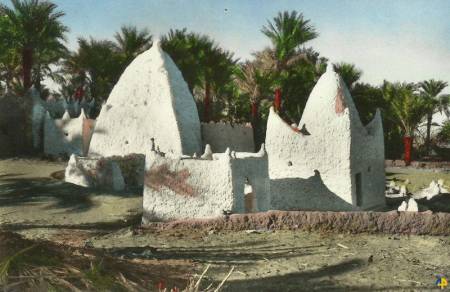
[428, 139]
[206, 101]
[37, 82]
[407, 143]
[255, 124]
[27, 65]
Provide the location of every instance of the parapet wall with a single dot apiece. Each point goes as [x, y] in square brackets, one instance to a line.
[67, 136]
[191, 187]
[420, 223]
[220, 136]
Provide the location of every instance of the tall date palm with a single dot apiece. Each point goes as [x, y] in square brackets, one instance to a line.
[131, 42]
[287, 32]
[408, 109]
[37, 26]
[434, 101]
[203, 63]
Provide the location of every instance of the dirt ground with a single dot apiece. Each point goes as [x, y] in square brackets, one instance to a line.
[418, 178]
[39, 207]
[30, 196]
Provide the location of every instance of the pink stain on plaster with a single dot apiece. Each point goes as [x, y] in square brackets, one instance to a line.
[339, 105]
[88, 128]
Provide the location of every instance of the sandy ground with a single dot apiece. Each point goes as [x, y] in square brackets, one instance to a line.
[37, 206]
[29, 196]
[418, 178]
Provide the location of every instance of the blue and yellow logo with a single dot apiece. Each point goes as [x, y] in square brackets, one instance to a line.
[441, 281]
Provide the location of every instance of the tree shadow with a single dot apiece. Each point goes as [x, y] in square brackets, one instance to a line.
[7, 175]
[58, 194]
[295, 194]
[229, 255]
[321, 279]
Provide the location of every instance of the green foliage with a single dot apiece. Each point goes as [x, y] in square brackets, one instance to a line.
[35, 33]
[406, 105]
[444, 134]
[349, 73]
[131, 42]
[205, 66]
[287, 32]
[96, 65]
[367, 99]
[433, 102]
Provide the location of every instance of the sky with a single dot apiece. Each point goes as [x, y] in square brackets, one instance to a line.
[397, 40]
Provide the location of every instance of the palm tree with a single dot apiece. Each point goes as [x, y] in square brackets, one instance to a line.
[287, 33]
[203, 63]
[37, 27]
[349, 73]
[255, 83]
[434, 101]
[131, 42]
[407, 107]
[95, 67]
[183, 49]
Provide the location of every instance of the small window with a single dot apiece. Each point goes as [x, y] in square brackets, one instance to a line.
[369, 169]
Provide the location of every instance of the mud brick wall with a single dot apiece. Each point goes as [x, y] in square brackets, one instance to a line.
[424, 223]
[220, 136]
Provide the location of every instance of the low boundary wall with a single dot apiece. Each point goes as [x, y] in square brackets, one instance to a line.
[393, 222]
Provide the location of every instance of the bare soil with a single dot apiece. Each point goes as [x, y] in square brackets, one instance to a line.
[76, 221]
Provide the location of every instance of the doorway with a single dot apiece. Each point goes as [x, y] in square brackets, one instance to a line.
[249, 197]
[358, 185]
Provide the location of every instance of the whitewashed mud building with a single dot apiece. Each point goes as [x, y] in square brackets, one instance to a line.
[329, 162]
[61, 128]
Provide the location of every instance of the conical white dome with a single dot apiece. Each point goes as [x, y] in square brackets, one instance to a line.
[151, 100]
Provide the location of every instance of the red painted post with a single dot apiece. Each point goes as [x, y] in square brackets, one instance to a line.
[277, 100]
[79, 93]
[407, 143]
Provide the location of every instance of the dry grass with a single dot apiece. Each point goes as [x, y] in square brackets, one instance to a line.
[43, 266]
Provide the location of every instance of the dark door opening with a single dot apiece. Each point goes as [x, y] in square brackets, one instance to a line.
[249, 198]
[358, 184]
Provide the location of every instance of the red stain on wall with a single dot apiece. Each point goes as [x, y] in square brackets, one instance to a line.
[88, 128]
[339, 105]
[161, 176]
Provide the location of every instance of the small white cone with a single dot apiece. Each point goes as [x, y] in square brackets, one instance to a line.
[402, 207]
[208, 153]
[412, 206]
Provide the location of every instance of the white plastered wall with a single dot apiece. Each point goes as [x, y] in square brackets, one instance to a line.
[314, 172]
[254, 167]
[220, 136]
[209, 180]
[181, 188]
[37, 118]
[151, 100]
[367, 158]
[63, 136]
